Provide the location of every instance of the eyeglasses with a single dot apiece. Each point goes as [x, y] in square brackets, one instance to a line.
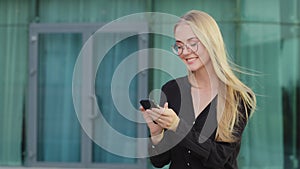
[178, 47]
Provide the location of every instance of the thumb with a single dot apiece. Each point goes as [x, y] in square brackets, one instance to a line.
[166, 105]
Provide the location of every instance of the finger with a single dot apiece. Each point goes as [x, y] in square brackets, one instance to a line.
[160, 122]
[163, 123]
[149, 120]
[154, 115]
[160, 111]
[141, 108]
[146, 117]
[164, 120]
[163, 110]
[166, 105]
[157, 110]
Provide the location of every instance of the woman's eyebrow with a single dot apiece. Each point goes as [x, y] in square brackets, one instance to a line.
[178, 41]
[192, 38]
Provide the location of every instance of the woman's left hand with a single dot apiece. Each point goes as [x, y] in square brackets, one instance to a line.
[167, 118]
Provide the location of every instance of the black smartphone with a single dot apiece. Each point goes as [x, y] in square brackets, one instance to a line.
[148, 104]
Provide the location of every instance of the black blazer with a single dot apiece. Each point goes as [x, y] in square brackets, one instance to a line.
[193, 144]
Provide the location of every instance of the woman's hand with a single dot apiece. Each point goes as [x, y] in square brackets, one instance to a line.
[155, 129]
[159, 119]
[165, 117]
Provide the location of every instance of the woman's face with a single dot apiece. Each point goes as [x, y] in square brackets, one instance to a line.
[193, 53]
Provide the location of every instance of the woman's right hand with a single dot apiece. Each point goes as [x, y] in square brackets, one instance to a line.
[155, 129]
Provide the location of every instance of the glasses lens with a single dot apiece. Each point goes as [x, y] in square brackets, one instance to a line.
[194, 46]
[176, 49]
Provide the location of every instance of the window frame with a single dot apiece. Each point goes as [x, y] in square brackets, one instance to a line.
[86, 30]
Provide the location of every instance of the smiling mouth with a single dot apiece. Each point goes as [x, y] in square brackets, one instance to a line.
[190, 60]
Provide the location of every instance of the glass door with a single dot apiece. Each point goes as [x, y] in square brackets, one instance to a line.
[56, 134]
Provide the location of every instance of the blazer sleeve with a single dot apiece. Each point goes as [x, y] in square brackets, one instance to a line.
[160, 154]
[213, 154]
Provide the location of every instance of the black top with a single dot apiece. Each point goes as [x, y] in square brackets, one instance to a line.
[193, 144]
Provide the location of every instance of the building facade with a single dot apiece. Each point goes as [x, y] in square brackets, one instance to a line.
[42, 45]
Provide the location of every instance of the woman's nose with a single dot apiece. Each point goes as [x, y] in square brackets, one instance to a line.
[186, 50]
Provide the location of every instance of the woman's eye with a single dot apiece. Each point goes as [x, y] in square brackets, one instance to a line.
[179, 47]
[194, 44]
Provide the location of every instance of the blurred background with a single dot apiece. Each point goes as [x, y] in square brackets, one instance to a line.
[40, 41]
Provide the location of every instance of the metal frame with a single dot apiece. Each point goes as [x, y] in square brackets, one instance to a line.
[86, 144]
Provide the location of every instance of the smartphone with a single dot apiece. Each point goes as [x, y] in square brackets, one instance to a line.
[148, 104]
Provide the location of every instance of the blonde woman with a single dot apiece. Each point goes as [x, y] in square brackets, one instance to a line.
[202, 115]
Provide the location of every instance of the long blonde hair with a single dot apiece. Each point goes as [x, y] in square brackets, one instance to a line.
[234, 92]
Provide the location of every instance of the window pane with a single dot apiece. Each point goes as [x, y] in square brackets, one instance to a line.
[58, 128]
[260, 51]
[289, 69]
[112, 116]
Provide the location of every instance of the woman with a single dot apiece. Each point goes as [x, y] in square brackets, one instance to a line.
[203, 115]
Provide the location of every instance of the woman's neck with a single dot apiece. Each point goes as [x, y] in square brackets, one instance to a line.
[204, 78]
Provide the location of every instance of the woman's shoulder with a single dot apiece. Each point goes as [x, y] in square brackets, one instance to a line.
[176, 83]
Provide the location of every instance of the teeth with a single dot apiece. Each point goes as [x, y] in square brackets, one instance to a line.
[190, 59]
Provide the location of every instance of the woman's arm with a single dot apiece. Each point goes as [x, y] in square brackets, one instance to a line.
[159, 153]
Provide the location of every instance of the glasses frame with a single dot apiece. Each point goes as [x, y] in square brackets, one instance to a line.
[191, 47]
